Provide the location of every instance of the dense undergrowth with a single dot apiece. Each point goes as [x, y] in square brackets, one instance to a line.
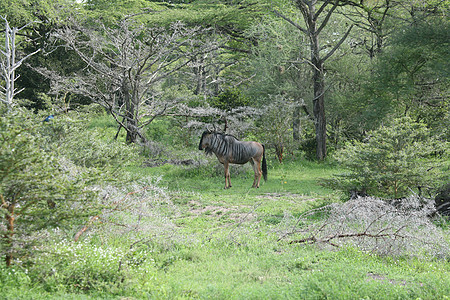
[170, 231]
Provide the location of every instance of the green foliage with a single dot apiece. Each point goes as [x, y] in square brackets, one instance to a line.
[20, 13]
[230, 99]
[37, 191]
[394, 160]
[413, 74]
[275, 126]
[194, 240]
[111, 12]
[276, 61]
[74, 137]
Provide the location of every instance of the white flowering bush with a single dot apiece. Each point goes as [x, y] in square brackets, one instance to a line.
[72, 266]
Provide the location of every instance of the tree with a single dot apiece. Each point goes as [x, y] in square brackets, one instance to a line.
[9, 64]
[414, 75]
[228, 102]
[374, 18]
[126, 65]
[36, 191]
[279, 72]
[312, 29]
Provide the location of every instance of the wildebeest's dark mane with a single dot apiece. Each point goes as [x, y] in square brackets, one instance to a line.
[217, 135]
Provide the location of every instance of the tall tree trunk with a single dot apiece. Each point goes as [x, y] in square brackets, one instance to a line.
[296, 124]
[131, 124]
[319, 110]
[309, 11]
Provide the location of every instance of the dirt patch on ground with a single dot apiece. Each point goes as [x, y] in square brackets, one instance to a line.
[232, 213]
[176, 162]
[379, 277]
[286, 196]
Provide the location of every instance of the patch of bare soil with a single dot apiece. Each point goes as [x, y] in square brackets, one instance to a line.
[177, 162]
[287, 196]
[233, 212]
[379, 277]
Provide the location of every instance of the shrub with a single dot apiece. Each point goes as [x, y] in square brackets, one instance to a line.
[392, 161]
[84, 266]
[275, 127]
[70, 136]
[230, 99]
[36, 191]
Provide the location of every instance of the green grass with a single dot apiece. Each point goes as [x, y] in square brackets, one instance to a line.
[203, 242]
[225, 247]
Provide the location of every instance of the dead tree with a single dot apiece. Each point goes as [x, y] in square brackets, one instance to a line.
[126, 66]
[9, 64]
[372, 225]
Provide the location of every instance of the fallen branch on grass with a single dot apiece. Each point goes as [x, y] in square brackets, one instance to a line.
[328, 239]
[372, 225]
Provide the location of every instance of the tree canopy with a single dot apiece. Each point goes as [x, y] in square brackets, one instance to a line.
[347, 66]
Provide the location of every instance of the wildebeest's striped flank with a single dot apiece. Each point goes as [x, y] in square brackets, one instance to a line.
[230, 150]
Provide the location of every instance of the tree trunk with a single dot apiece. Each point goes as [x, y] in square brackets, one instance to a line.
[296, 124]
[131, 123]
[9, 234]
[318, 82]
[319, 111]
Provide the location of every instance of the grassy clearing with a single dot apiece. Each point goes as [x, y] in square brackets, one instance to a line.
[196, 240]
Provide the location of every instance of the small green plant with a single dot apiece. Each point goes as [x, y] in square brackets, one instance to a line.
[393, 161]
[84, 266]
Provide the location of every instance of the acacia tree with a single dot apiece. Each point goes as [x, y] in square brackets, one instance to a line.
[126, 65]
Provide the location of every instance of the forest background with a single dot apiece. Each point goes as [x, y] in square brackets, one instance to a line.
[103, 104]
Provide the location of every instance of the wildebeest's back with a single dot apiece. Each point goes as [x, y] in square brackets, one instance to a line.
[242, 152]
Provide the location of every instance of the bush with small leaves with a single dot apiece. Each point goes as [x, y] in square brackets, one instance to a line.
[69, 135]
[82, 266]
[394, 160]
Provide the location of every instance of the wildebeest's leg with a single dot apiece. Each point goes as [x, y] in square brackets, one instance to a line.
[227, 175]
[254, 170]
[256, 164]
[258, 169]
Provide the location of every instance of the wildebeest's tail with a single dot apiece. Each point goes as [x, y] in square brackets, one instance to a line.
[264, 164]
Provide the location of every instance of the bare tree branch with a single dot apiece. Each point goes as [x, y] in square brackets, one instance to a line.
[296, 25]
[329, 54]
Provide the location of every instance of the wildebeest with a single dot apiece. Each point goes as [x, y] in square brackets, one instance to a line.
[230, 150]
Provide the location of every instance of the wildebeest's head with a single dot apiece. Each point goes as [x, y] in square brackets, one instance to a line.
[209, 141]
[205, 141]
